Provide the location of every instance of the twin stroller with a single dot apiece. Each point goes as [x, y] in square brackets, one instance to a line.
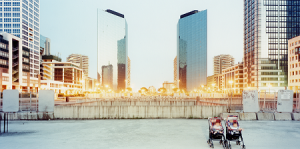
[233, 132]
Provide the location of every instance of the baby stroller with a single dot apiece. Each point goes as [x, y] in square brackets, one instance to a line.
[233, 132]
[216, 132]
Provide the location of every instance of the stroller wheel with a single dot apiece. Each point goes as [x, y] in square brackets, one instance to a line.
[237, 142]
[212, 145]
[243, 147]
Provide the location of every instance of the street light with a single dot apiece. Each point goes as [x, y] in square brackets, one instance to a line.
[230, 82]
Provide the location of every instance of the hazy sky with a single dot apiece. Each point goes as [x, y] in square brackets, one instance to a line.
[152, 29]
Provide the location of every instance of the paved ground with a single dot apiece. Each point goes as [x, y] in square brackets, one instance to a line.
[152, 134]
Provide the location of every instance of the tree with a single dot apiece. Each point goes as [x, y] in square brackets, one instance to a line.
[144, 89]
[162, 90]
[176, 90]
[129, 89]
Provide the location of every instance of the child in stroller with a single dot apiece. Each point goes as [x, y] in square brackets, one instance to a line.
[216, 131]
[233, 131]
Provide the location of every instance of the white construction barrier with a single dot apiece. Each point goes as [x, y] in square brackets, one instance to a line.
[46, 100]
[10, 100]
[285, 101]
[250, 101]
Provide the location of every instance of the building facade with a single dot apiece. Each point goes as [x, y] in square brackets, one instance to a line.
[62, 77]
[83, 62]
[232, 79]
[215, 82]
[21, 18]
[221, 62]
[15, 64]
[176, 81]
[128, 80]
[268, 24]
[294, 64]
[192, 50]
[112, 49]
[45, 45]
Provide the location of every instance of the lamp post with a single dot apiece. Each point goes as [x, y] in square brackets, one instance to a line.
[230, 82]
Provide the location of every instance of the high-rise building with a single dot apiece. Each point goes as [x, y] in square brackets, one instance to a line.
[112, 49]
[268, 24]
[83, 62]
[45, 45]
[221, 62]
[192, 50]
[128, 80]
[21, 18]
[176, 81]
[294, 64]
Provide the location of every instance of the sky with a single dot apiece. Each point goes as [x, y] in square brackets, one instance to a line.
[152, 32]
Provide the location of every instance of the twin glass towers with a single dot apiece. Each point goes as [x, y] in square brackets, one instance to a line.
[113, 49]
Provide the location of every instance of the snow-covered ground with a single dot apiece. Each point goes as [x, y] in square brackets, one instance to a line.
[145, 133]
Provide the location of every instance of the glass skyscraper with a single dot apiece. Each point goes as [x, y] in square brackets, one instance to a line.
[112, 49]
[21, 18]
[268, 24]
[192, 50]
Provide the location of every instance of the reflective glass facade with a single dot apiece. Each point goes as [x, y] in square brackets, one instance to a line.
[192, 50]
[112, 49]
[268, 25]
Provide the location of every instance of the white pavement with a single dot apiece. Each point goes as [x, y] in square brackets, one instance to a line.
[144, 133]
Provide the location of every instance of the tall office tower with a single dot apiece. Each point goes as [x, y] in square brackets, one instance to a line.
[221, 62]
[128, 80]
[21, 18]
[112, 49]
[45, 45]
[192, 49]
[268, 24]
[83, 62]
[176, 81]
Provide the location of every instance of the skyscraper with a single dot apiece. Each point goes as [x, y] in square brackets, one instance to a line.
[112, 49]
[268, 24]
[192, 49]
[45, 43]
[221, 62]
[21, 18]
[83, 62]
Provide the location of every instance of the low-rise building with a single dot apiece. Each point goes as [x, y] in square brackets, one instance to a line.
[63, 77]
[215, 82]
[232, 79]
[294, 64]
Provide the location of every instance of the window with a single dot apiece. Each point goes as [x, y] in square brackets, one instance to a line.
[0, 3]
[16, 3]
[1, 26]
[16, 25]
[16, 31]
[3, 46]
[7, 25]
[7, 30]
[16, 9]
[16, 14]
[0, 19]
[7, 19]
[3, 62]
[25, 1]
[7, 14]
[0, 14]
[30, 10]
[16, 19]
[7, 3]
[7, 9]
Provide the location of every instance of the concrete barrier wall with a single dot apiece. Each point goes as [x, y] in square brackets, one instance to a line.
[103, 112]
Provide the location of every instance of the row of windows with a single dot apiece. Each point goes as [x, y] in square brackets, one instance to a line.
[3, 46]
[294, 81]
[9, 9]
[295, 73]
[3, 62]
[293, 58]
[3, 54]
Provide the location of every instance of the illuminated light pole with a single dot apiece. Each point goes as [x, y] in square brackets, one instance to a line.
[230, 82]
